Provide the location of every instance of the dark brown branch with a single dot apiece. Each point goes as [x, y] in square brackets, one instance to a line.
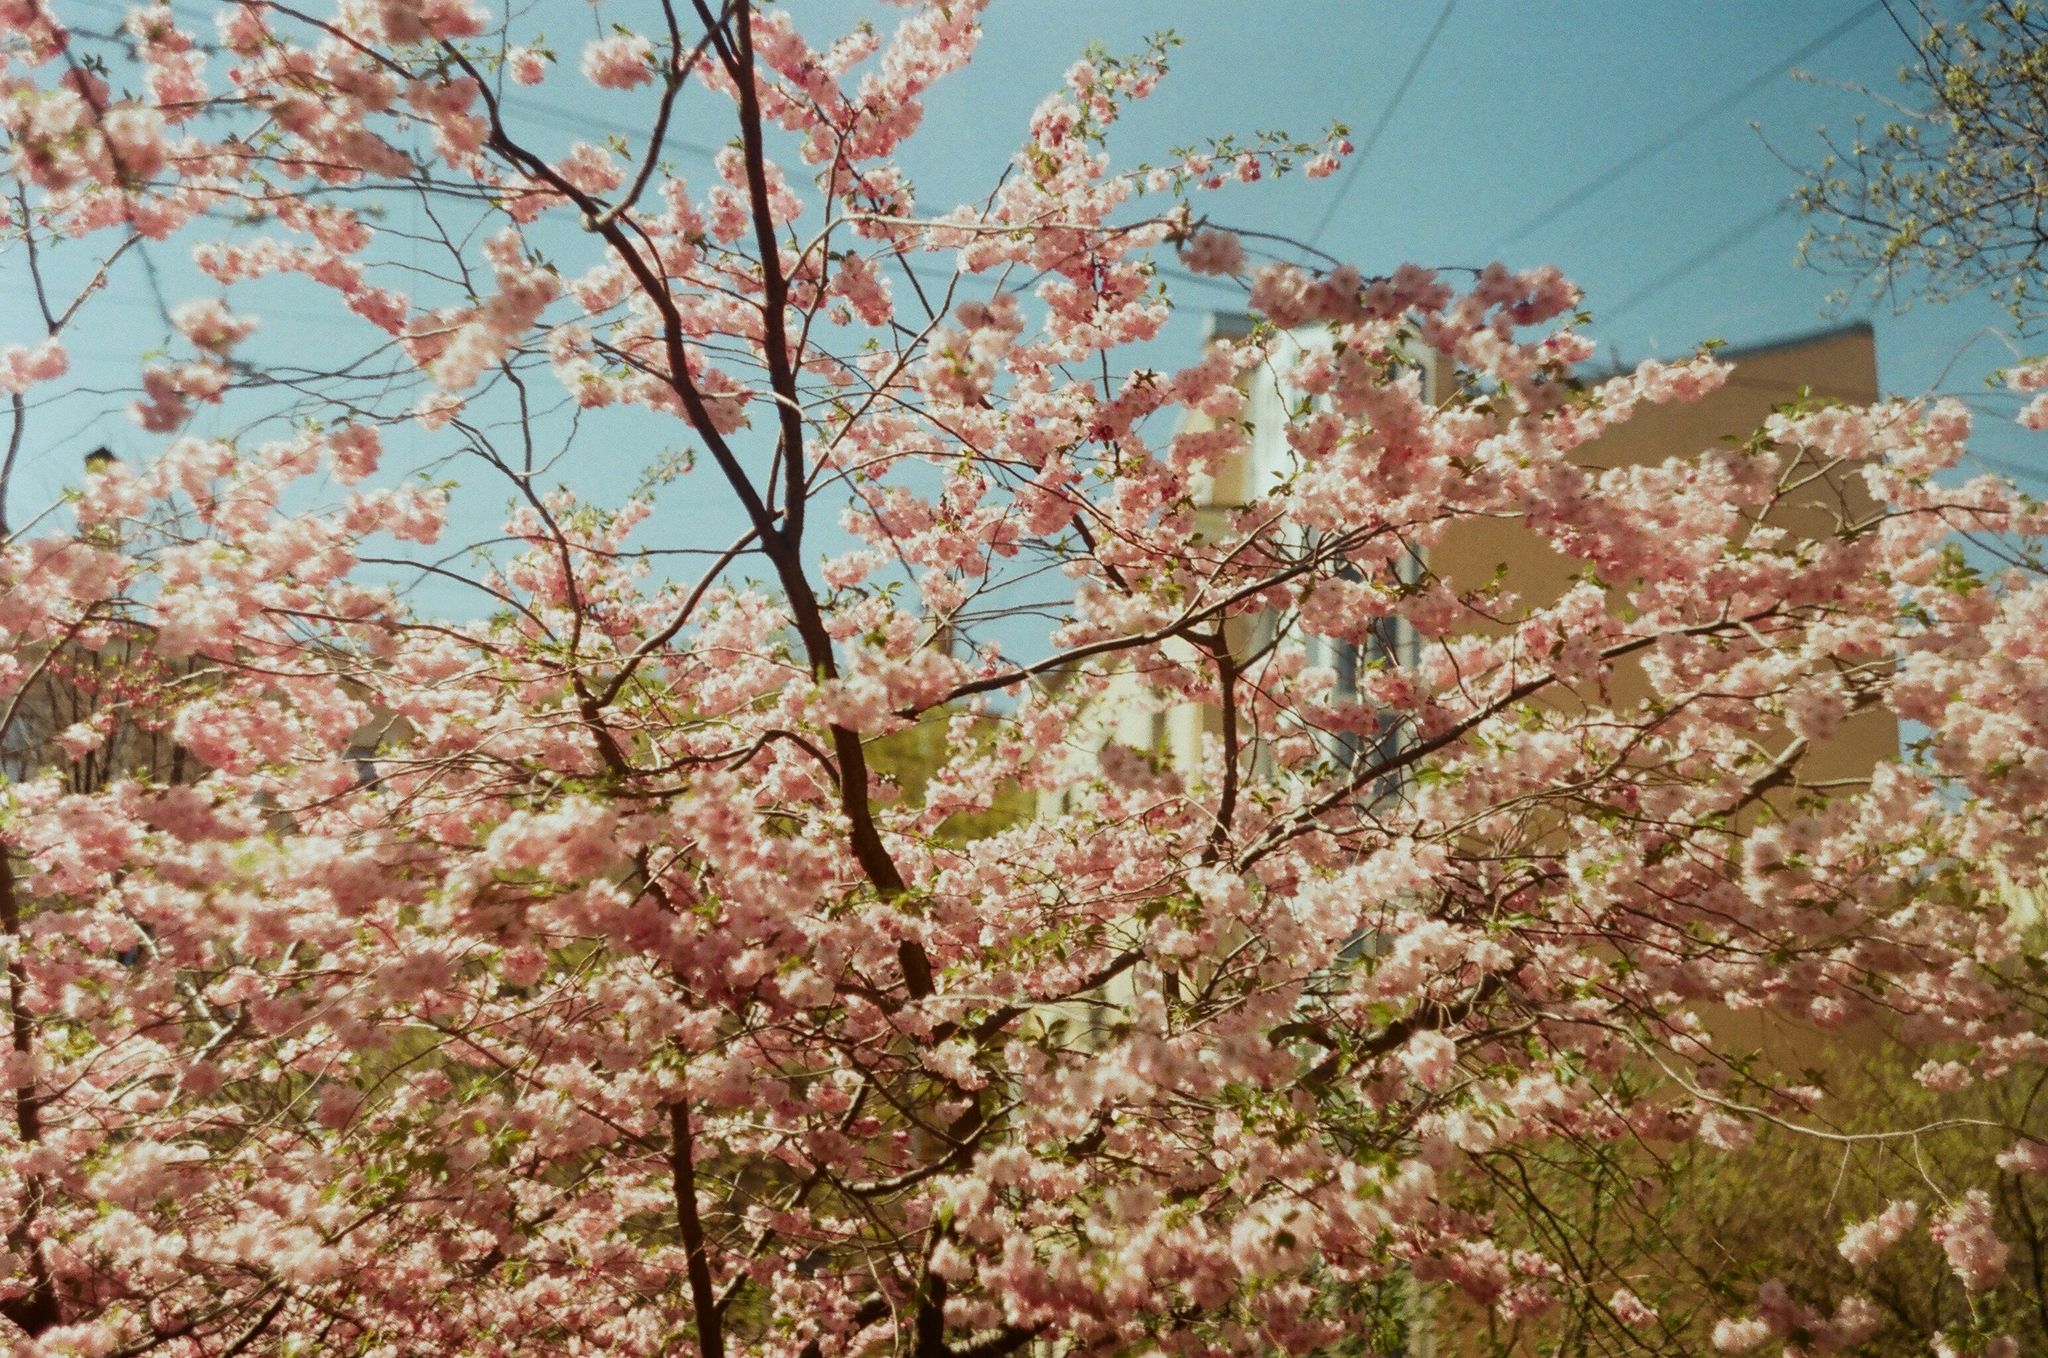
[703, 1296]
[782, 547]
[869, 1311]
[1002, 1343]
[35, 1310]
[672, 85]
[803, 600]
[1301, 820]
[13, 451]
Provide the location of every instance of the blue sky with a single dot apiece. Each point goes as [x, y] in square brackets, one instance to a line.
[1517, 105]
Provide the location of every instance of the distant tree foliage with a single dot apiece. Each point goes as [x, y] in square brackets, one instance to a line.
[1952, 195]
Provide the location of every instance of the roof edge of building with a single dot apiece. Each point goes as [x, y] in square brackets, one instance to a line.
[1798, 341]
[1735, 353]
[1218, 325]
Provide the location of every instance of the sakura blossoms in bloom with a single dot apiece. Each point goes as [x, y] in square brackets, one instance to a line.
[749, 946]
[22, 367]
[1969, 1238]
[1865, 1241]
[2031, 378]
[1630, 1309]
[1214, 252]
[614, 63]
[209, 325]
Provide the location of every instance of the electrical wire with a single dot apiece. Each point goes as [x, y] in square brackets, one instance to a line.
[1694, 263]
[1386, 116]
[565, 120]
[1683, 130]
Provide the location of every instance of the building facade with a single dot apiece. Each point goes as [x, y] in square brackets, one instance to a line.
[1838, 365]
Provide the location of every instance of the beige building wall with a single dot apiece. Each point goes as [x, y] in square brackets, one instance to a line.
[1833, 365]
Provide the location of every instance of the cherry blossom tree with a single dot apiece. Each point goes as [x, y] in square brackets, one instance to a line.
[1944, 196]
[567, 972]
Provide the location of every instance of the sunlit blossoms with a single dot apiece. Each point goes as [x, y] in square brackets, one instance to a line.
[1865, 1241]
[1001, 894]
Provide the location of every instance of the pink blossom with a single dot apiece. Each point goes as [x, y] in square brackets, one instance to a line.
[22, 367]
[80, 739]
[1431, 1058]
[1965, 1231]
[437, 408]
[1630, 1309]
[1213, 252]
[409, 21]
[1724, 1132]
[2026, 1156]
[526, 65]
[135, 141]
[1815, 710]
[242, 30]
[2031, 375]
[568, 843]
[34, 21]
[955, 1061]
[1944, 1077]
[1740, 1336]
[1862, 1243]
[619, 62]
[1855, 1320]
[207, 323]
[356, 449]
[410, 923]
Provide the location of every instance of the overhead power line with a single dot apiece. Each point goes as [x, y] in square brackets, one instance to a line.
[568, 120]
[1692, 264]
[1386, 116]
[1683, 130]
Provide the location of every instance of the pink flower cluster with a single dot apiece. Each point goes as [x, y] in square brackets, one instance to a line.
[619, 62]
[1968, 1236]
[763, 956]
[22, 367]
[1863, 1243]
